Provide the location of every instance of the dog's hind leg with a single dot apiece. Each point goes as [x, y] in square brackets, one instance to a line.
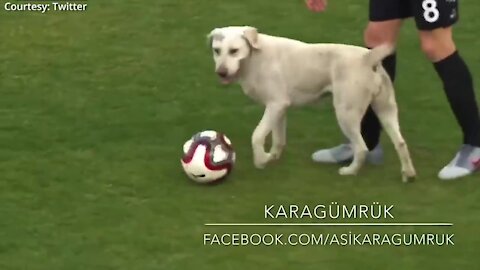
[349, 110]
[386, 109]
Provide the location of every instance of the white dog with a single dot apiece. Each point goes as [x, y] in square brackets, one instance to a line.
[280, 72]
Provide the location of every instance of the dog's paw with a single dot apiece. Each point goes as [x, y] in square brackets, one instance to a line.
[275, 154]
[261, 161]
[347, 171]
[276, 151]
[408, 175]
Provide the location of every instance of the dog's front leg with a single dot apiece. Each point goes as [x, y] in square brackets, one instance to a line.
[270, 120]
[279, 137]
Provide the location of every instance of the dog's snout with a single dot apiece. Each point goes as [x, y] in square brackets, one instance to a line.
[222, 72]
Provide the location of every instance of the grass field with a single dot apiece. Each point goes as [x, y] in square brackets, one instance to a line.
[94, 109]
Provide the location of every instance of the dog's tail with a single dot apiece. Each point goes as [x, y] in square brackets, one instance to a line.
[377, 54]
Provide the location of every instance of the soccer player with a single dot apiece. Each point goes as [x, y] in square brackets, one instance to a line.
[434, 20]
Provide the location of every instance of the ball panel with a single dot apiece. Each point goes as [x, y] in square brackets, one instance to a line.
[219, 154]
[187, 145]
[226, 140]
[209, 133]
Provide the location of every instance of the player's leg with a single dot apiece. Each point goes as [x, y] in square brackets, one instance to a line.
[385, 22]
[434, 20]
[377, 33]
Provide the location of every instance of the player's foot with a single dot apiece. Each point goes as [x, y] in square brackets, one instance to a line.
[466, 162]
[343, 153]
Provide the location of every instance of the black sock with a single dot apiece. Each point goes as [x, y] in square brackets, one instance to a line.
[458, 86]
[371, 126]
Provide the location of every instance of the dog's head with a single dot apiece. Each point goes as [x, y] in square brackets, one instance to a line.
[230, 46]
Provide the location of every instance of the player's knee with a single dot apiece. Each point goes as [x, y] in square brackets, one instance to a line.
[378, 33]
[374, 36]
[428, 48]
[437, 47]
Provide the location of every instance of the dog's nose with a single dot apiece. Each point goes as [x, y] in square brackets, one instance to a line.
[222, 72]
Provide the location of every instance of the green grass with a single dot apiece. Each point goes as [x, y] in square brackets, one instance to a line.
[94, 109]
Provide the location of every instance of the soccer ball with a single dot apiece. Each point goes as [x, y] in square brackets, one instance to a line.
[208, 157]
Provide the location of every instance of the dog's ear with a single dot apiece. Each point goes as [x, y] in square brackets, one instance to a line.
[210, 38]
[215, 33]
[251, 35]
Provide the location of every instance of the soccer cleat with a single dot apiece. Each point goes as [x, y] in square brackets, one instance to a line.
[466, 162]
[343, 153]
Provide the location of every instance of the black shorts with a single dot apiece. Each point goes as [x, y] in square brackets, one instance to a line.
[428, 14]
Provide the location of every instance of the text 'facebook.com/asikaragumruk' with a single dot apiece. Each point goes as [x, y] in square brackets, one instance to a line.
[328, 239]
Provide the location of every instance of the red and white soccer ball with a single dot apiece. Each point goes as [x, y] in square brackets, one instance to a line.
[208, 157]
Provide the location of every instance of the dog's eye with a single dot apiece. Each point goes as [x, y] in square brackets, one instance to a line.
[233, 51]
[216, 51]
